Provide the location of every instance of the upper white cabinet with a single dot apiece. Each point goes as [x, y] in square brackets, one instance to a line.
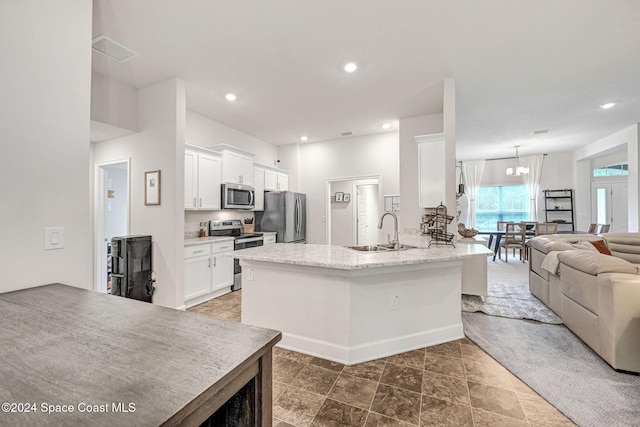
[237, 164]
[431, 169]
[201, 179]
[258, 186]
[275, 179]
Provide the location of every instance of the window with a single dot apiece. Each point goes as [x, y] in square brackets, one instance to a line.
[612, 170]
[503, 203]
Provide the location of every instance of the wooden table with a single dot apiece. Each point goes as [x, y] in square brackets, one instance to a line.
[76, 357]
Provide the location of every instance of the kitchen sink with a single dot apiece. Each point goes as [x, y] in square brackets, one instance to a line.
[380, 248]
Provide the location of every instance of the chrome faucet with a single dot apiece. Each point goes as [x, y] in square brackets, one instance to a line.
[395, 242]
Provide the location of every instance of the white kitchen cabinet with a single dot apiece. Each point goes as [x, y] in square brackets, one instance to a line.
[258, 185]
[237, 164]
[431, 170]
[269, 239]
[276, 180]
[201, 180]
[208, 272]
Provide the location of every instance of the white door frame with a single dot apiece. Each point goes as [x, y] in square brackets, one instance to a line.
[100, 221]
[327, 197]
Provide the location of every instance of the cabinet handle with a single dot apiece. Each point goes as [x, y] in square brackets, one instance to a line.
[214, 261]
[209, 262]
[240, 179]
[198, 251]
[224, 247]
[194, 203]
[200, 201]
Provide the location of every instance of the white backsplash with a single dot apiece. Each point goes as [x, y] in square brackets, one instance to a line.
[192, 219]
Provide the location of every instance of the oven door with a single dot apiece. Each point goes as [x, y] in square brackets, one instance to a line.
[237, 196]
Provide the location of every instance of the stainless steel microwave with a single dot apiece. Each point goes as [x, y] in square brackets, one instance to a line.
[238, 196]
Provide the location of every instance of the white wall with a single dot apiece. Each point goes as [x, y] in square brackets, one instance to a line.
[113, 103]
[353, 157]
[204, 132]
[158, 145]
[342, 215]
[583, 157]
[410, 215]
[44, 141]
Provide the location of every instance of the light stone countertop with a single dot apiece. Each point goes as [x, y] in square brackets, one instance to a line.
[204, 240]
[339, 257]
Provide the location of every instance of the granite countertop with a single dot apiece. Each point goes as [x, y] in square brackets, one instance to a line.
[205, 240]
[71, 346]
[339, 257]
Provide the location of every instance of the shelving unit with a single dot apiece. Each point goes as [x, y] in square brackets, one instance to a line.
[559, 207]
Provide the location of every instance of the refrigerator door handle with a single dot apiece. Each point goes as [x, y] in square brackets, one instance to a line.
[298, 219]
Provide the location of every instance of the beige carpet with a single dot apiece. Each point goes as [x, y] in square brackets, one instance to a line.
[509, 296]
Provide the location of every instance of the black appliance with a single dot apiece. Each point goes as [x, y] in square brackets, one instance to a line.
[131, 275]
[233, 228]
[285, 213]
[237, 196]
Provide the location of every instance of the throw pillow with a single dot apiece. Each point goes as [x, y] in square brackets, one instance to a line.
[601, 246]
[585, 246]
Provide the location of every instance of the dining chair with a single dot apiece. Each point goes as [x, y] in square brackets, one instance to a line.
[604, 228]
[546, 228]
[593, 229]
[502, 225]
[514, 238]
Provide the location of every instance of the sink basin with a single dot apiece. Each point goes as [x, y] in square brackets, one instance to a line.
[380, 248]
[368, 248]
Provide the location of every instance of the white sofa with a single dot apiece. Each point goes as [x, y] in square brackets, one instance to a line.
[597, 296]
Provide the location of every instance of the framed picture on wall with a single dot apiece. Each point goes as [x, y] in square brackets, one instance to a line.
[339, 196]
[152, 188]
[346, 197]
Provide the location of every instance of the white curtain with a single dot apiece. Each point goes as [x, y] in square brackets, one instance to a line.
[532, 181]
[472, 176]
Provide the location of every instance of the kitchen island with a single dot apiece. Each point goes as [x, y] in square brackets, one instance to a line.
[348, 306]
[76, 357]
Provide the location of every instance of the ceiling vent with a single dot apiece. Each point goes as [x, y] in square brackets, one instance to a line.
[346, 133]
[112, 49]
[540, 132]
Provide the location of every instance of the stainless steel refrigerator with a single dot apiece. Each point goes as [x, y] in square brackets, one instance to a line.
[285, 213]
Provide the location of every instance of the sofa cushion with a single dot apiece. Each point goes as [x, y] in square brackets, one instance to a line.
[624, 245]
[595, 263]
[546, 244]
[586, 246]
[601, 246]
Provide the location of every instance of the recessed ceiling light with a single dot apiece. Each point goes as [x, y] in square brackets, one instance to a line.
[386, 126]
[304, 138]
[607, 105]
[350, 67]
[230, 97]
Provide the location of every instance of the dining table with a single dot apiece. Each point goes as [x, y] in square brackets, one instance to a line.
[499, 233]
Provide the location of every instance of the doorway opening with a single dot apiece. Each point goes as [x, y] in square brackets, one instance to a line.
[353, 210]
[111, 216]
[610, 205]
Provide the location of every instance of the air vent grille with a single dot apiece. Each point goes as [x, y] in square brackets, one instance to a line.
[112, 49]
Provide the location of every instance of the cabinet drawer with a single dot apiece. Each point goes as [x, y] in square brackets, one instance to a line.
[194, 251]
[222, 247]
[269, 239]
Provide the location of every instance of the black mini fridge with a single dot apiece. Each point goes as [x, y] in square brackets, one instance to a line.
[131, 267]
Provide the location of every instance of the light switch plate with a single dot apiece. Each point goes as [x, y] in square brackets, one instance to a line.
[53, 238]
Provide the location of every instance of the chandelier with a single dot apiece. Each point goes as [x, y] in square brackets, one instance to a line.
[518, 170]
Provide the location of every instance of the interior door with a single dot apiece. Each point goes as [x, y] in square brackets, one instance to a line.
[367, 214]
[610, 205]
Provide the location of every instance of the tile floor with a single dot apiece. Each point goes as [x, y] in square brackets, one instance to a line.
[453, 384]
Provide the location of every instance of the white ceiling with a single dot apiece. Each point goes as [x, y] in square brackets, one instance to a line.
[519, 65]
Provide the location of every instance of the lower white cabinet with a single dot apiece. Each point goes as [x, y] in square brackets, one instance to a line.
[269, 239]
[207, 272]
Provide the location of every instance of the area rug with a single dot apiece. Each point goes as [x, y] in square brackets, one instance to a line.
[509, 296]
[560, 367]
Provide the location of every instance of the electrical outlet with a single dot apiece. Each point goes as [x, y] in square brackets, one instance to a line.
[394, 302]
[249, 273]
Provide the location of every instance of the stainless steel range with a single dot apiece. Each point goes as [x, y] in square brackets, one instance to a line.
[233, 228]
